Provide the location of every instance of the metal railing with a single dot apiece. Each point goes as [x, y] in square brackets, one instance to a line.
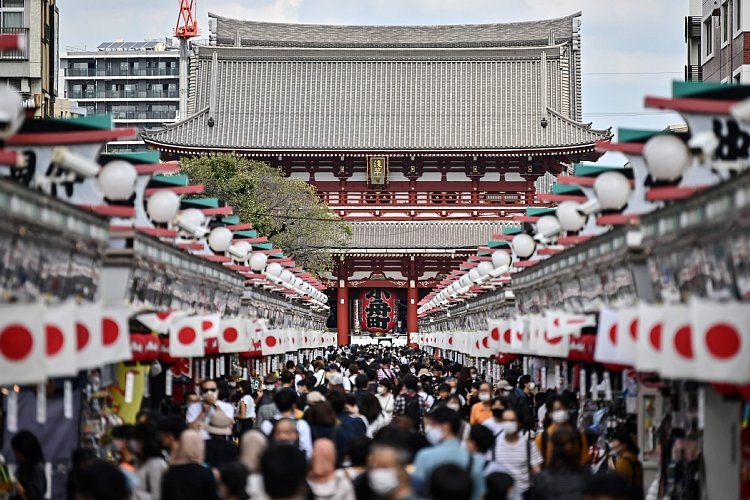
[693, 73]
[15, 55]
[390, 199]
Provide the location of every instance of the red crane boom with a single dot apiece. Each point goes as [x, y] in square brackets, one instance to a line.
[186, 26]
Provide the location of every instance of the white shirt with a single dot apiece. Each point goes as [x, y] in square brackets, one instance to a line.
[303, 429]
[493, 425]
[513, 456]
[249, 406]
[386, 404]
[195, 409]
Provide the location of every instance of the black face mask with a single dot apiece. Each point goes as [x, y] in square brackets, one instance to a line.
[497, 412]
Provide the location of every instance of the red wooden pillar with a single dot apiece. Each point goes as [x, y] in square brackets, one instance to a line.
[342, 312]
[412, 298]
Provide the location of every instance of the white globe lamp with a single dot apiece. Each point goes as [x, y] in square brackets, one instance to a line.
[162, 206]
[523, 245]
[220, 239]
[241, 251]
[274, 269]
[484, 268]
[258, 261]
[500, 258]
[612, 190]
[286, 276]
[117, 180]
[474, 275]
[570, 217]
[666, 156]
[547, 226]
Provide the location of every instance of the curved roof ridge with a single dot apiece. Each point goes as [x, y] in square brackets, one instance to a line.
[262, 33]
[586, 126]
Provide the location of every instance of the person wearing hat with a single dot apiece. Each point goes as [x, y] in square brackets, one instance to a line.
[503, 388]
[220, 449]
[199, 413]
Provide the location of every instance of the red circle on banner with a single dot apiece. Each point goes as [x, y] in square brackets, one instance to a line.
[613, 334]
[207, 324]
[163, 315]
[495, 334]
[186, 335]
[305, 339]
[16, 342]
[450, 340]
[723, 341]
[110, 331]
[231, 334]
[55, 339]
[654, 337]
[476, 344]
[550, 341]
[683, 344]
[82, 336]
[486, 342]
[270, 341]
[508, 336]
[519, 335]
[634, 329]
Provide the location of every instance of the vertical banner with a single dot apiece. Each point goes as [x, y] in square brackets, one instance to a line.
[378, 313]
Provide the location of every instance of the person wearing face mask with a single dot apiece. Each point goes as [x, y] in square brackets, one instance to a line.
[441, 430]
[517, 454]
[495, 423]
[386, 398]
[386, 476]
[266, 408]
[482, 410]
[560, 417]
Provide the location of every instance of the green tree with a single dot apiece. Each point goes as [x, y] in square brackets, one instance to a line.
[285, 210]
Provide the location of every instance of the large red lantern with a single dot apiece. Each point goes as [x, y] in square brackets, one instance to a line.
[378, 310]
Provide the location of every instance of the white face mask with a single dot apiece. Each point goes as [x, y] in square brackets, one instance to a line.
[383, 481]
[382, 389]
[413, 370]
[269, 387]
[484, 397]
[559, 416]
[510, 427]
[434, 435]
[453, 407]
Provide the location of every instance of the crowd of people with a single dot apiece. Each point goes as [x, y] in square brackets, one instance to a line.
[361, 422]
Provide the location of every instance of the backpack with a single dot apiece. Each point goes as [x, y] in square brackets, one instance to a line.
[413, 409]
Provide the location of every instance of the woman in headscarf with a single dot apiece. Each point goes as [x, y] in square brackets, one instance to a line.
[252, 446]
[188, 478]
[325, 481]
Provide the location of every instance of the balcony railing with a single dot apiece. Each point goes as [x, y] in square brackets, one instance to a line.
[387, 199]
[172, 94]
[77, 72]
[693, 73]
[15, 55]
[692, 27]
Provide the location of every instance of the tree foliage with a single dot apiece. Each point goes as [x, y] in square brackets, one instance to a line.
[285, 210]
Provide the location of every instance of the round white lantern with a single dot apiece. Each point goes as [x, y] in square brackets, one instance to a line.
[258, 261]
[484, 268]
[241, 251]
[548, 226]
[667, 157]
[523, 245]
[474, 275]
[11, 109]
[192, 217]
[569, 216]
[162, 206]
[274, 269]
[117, 180]
[500, 258]
[612, 190]
[286, 276]
[220, 239]
[465, 280]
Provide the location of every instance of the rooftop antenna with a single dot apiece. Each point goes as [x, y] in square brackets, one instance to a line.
[185, 29]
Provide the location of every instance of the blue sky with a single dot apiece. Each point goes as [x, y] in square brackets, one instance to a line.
[631, 48]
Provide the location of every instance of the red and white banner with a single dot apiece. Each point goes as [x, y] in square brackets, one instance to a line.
[678, 353]
[606, 337]
[650, 333]
[60, 333]
[273, 343]
[627, 335]
[560, 323]
[144, 347]
[233, 337]
[88, 335]
[721, 341]
[210, 324]
[519, 340]
[159, 321]
[115, 335]
[22, 344]
[186, 337]
[554, 343]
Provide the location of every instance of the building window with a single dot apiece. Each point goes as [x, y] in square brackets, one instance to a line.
[708, 37]
[737, 15]
[724, 23]
[11, 14]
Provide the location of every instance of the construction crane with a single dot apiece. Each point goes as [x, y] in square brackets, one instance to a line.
[185, 29]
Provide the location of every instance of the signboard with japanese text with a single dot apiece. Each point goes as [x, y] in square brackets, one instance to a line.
[377, 171]
[378, 310]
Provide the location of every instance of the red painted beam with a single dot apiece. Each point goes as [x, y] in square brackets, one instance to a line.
[673, 193]
[79, 137]
[12, 158]
[240, 227]
[157, 168]
[691, 105]
[193, 245]
[215, 258]
[111, 210]
[559, 198]
[192, 189]
[217, 211]
[261, 239]
[633, 148]
[617, 219]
